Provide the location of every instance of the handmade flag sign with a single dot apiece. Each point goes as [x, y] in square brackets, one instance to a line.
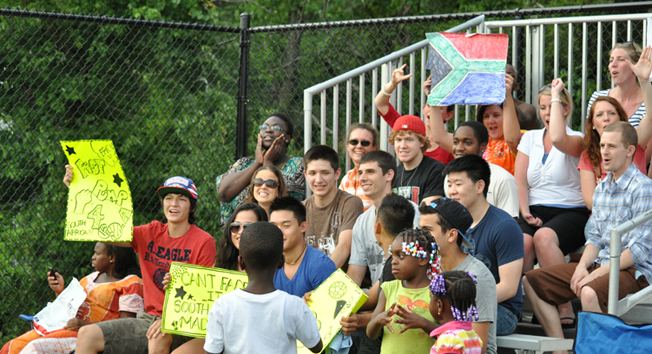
[191, 294]
[467, 69]
[336, 297]
[99, 199]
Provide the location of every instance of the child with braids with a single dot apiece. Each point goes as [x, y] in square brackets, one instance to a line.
[415, 260]
[453, 305]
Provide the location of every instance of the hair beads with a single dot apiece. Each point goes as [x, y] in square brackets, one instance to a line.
[458, 288]
[415, 250]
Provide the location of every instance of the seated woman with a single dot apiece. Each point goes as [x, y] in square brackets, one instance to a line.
[604, 111]
[227, 255]
[363, 138]
[553, 213]
[503, 143]
[274, 138]
[115, 290]
[266, 185]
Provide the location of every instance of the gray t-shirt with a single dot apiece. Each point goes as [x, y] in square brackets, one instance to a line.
[485, 299]
[365, 251]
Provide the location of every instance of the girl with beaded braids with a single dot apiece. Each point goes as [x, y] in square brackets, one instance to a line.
[452, 304]
[415, 259]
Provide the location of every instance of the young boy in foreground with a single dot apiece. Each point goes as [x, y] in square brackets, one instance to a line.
[259, 318]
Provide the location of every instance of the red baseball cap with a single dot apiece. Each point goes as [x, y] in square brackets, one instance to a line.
[410, 123]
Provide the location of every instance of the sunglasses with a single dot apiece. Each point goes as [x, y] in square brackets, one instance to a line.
[258, 182]
[631, 43]
[237, 227]
[355, 142]
[544, 87]
[275, 128]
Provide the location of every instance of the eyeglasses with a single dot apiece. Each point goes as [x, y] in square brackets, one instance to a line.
[237, 227]
[275, 128]
[258, 182]
[544, 87]
[355, 142]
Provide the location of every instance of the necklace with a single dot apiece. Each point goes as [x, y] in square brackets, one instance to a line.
[410, 179]
[295, 262]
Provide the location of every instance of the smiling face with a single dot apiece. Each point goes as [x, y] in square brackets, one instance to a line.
[462, 189]
[102, 261]
[618, 67]
[321, 177]
[374, 184]
[407, 146]
[492, 118]
[264, 194]
[289, 225]
[176, 208]
[269, 135]
[465, 142]
[243, 219]
[356, 151]
[604, 113]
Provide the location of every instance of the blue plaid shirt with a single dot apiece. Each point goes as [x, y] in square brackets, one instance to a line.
[615, 203]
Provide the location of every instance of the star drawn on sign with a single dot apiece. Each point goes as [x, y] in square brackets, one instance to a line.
[180, 292]
[117, 180]
[70, 150]
[190, 297]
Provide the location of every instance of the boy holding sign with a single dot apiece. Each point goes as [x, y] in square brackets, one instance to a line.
[157, 245]
[260, 318]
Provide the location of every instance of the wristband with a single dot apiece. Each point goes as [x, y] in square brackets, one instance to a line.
[556, 100]
[385, 92]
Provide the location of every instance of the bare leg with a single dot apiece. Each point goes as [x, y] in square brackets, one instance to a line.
[90, 340]
[546, 246]
[528, 261]
[589, 300]
[546, 313]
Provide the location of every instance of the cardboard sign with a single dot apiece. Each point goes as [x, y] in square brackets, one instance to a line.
[99, 200]
[336, 297]
[191, 294]
[467, 69]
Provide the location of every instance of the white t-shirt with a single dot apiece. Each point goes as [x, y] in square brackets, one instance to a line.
[555, 182]
[242, 322]
[502, 192]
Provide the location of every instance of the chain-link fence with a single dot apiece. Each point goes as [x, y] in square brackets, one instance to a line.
[167, 95]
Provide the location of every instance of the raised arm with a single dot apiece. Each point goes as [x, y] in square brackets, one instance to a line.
[568, 144]
[642, 70]
[438, 130]
[511, 127]
[233, 183]
[382, 99]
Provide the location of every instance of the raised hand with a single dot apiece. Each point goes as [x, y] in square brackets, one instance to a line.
[556, 87]
[509, 84]
[643, 68]
[275, 151]
[427, 85]
[56, 283]
[260, 154]
[67, 178]
[398, 75]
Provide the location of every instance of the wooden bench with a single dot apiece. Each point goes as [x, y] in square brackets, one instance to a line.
[528, 344]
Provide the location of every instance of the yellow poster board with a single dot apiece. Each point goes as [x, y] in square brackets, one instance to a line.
[191, 294]
[99, 199]
[336, 297]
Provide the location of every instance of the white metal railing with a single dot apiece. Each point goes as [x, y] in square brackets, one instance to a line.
[536, 48]
[386, 65]
[614, 307]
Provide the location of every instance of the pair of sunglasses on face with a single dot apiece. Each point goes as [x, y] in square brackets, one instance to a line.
[238, 227]
[270, 183]
[355, 142]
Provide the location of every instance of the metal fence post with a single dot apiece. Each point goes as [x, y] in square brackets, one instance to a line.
[241, 125]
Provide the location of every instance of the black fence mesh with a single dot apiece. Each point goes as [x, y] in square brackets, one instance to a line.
[166, 94]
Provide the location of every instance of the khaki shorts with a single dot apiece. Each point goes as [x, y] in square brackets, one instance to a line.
[552, 284]
[128, 335]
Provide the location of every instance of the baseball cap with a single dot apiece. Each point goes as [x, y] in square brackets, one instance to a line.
[410, 123]
[178, 184]
[456, 214]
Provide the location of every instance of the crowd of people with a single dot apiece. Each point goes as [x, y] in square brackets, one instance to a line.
[445, 237]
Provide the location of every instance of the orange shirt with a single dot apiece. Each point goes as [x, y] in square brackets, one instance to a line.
[351, 185]
[498, 153]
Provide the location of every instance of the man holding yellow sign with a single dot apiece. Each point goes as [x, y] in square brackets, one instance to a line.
[157, 245]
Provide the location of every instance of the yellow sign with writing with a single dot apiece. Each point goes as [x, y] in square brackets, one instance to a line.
[336, 297]
[99, 200]
[191, 294]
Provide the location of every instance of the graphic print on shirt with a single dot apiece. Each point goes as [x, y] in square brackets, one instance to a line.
[161, 257]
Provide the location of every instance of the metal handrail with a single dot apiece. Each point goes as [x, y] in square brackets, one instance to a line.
[311, 91]
[614, 255]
